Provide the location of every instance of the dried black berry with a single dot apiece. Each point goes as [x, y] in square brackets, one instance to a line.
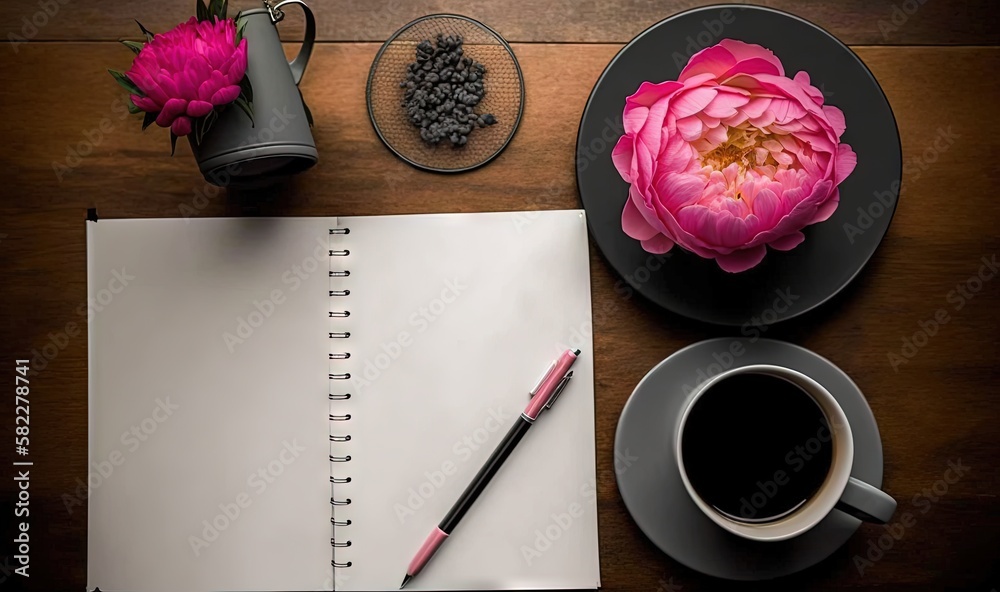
[442, 88]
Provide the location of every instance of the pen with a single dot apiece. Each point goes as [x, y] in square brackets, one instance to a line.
[545, 392]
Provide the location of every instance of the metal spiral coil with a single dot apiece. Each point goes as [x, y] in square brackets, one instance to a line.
[341, 355]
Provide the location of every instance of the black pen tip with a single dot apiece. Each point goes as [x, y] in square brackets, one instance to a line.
[576, 352]
[405, 581]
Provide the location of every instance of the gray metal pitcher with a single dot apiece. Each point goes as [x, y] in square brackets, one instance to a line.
[238, 152]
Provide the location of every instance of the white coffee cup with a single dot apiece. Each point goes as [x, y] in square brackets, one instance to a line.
[838, 491]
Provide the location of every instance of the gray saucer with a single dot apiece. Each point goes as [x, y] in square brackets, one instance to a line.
[651, 486]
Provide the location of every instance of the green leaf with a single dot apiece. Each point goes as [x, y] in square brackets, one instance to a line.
[203, 124]
[246, 106]
[135, 46]
[217, 8]
[132, 108]
[196, 129]
[240, 25]
[247, 89]
[309, 115]
[202, 12]
[149, 119]
[127, 84]
[149, 36]
[173, 143]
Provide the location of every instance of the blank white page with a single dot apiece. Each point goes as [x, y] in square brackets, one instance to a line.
[208, 405]
[452, 319]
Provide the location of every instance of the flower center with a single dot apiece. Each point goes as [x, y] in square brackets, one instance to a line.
[750, 149]
[737, 148]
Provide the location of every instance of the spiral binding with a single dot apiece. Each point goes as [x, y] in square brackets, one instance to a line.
[336, 396]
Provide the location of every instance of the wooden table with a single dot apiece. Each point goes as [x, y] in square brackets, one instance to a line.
[937, 62]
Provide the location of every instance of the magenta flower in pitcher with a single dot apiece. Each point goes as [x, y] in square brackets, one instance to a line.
[182, 78]
[731, 158]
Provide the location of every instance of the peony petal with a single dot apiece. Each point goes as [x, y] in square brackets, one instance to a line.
[824, 211]
[676, 190]
[634, 117]
[741, 260]
[181, 126]
[651, 133]
[725, 104]
[676, 156]
[818, 141]
[764, 120]
[173, 109]
[690, 128]
[199, 108]
[753, 67]
[622, 157]
[657, 245]
[701, 222]
[802, 78]
[692, 101]
[718, 135]
[634, 224]
[744, 52]
[713, 60]
[847, 160]
[787, 242]
[649, 93]
[146, 104]
[731, 230]
[767, 208]
[836, 118]
[225, 95]
[238, 68]
[756, 107]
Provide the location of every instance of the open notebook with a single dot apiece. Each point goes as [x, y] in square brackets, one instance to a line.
[223, 423]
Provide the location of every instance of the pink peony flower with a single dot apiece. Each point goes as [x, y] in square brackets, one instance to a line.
[188, 71]
[730, 157]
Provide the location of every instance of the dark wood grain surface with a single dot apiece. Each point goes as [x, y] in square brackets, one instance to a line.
[68, 146]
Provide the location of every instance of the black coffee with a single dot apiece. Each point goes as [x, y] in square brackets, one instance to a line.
[756, 447]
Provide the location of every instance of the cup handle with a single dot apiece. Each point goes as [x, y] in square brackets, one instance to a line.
[867, 503]
[298, 65]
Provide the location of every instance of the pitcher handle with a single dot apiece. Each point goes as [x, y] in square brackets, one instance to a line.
[298, 65]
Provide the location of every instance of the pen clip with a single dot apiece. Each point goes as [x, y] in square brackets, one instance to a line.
[559, 389]
[541, 379]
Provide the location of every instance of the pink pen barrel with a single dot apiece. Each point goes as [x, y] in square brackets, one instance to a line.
[548, 385]
[426, 551]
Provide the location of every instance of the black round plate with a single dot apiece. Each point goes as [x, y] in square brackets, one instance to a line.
[785, 284]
